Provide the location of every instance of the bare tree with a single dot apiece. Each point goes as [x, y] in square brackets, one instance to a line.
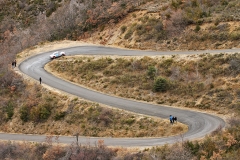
[176, 24]
[179, 153]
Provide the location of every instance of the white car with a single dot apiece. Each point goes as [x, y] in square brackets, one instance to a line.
[57, 54]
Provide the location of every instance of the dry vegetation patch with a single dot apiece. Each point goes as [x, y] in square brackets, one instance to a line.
[219, 145]
[174, 25]
[42, 111]
[206, 81]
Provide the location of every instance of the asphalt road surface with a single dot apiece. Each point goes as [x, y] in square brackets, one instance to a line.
[199, 124]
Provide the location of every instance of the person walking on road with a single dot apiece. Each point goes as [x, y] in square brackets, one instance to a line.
[40, 80]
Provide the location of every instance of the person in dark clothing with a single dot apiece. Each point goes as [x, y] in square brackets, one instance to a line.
[40, 80]
[174, 119]
[15, 63]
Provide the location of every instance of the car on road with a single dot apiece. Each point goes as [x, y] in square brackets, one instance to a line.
[57, 54]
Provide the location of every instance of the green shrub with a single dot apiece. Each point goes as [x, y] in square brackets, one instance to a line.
[211, 85]
[123, 5]
[24, 113]
[209, 146]
[1, 17]
[176, 3]
[38, 1]
[235, 36]
[10, 110]
[144, 19]
[161, 35]
[122, 63]
[45, 112]
[123, 29]
[166, 63]
[224, 2]
[128, 34]
[192, 146]
[160, 85]
[140, 29]
[217, 21]
[200, 86]
[148, 37]
[48, 98]
[197, 28]
[53, 8]
[203, 106]
[102, 27]
[40, 113]
[194, 3]
[129, 121]
[151, 72]
[59, 115]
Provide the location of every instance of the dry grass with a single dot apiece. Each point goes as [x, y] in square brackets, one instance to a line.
[70, 114]
[204, 80]
[143, 31]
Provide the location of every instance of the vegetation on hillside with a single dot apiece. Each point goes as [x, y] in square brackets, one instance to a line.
[178, 25]
[219, 145]
[27, 23]
[160, 25]
[205, 81]
[38, 111]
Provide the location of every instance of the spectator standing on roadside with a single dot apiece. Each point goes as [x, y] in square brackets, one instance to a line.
[40, 80]
[171, 119]
[175, 119]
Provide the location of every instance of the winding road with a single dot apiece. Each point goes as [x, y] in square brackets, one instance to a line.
[199, 124]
